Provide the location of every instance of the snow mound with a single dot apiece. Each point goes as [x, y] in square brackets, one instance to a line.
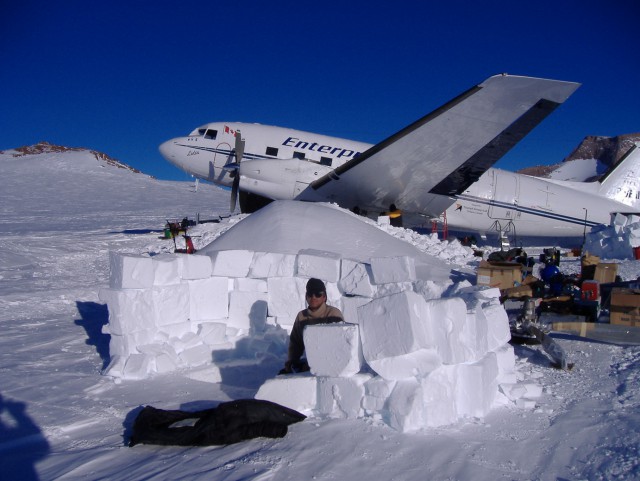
[287, 227]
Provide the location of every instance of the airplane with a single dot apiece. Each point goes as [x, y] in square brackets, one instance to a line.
[438, 165]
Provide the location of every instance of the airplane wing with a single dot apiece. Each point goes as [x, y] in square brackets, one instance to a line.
[422, 167]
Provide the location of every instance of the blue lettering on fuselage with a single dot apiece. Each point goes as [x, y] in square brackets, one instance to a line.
[315, 147]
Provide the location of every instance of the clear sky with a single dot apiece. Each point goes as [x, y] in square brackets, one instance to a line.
[122, 76]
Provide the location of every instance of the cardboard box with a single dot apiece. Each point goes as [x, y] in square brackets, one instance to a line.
[588, 265]
[605, 273]
[625, 306]
[518, 291]
[502, 275]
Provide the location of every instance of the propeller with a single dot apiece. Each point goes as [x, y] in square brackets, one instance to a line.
[236, 167]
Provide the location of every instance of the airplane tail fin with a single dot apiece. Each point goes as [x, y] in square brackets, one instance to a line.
[622, 181]
[423, 166]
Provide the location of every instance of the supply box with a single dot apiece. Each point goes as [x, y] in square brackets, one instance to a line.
[625, 306]
[605, 273]
[502, 275]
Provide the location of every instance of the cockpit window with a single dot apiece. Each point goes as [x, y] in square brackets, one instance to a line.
[201, 131]
[211, 134]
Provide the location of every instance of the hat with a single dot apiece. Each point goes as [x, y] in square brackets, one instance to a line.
[315, 285]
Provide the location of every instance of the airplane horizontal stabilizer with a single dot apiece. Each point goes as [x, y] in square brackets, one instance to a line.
[442, 154]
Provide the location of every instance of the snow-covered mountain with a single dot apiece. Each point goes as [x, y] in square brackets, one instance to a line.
[45, 147]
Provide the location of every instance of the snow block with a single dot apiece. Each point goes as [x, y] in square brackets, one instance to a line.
[333, 350]
[196, 355]
[342, 397]
[506, 359]
[194, 267]
[212, 333]
[395, 337]
[492, 319]
[208, 298]
[138, 366]
[166, 363]
[206, 374]
[267, 264]
[384, 290]
[178, 329]
[385, 270]
[439, 396]
[355, 279]
[286, 297]
[430, 289]
[618, 220]
[249, 285]
[231, 263]
[427, 402]
[516, 391]
[404, 411]
[170, 304]
[298, 392]
[446, 320]
[350, 307]
[115, 367]
[166, 359]
[477, 387]
[247, 310]
[130, 310]
[376, 392]
[129, 271]
[323, 265]
[166, 270]
[404, 366]
[121, 345]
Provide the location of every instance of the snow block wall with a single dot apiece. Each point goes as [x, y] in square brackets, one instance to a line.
[617, 240]
[405, 355]
[420, 362]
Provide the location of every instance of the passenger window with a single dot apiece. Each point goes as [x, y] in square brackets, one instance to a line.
[326, 161]
[272, 151]
[298, 155]
[211, 134]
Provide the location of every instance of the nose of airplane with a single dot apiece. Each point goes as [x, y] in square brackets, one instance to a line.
[166, 149]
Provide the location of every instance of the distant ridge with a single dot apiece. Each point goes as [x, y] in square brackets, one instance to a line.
[607, 150]
[44, 147]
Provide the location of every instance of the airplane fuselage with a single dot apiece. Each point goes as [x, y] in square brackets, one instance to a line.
[499, 200]
[206, 150]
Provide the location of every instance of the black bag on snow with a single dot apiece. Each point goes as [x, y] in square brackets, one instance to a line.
[229, 423]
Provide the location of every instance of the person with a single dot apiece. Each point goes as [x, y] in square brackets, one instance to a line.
[317, 312]
[395, 216]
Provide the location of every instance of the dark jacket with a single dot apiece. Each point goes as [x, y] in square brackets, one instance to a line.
[230, 422]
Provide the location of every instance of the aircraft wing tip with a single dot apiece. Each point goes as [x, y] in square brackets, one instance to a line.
[555, 90]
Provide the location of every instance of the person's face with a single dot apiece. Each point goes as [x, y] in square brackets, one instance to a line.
[315, 299]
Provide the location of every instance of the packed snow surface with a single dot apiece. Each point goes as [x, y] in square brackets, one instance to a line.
[60, 418]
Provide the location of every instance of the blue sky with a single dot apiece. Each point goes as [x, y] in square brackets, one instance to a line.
[123, 76]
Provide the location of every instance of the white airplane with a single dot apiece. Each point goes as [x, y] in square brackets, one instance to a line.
[433, 166]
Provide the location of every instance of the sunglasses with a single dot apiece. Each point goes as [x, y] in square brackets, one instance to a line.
[315, 293]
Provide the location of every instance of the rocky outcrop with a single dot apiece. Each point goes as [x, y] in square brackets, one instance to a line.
[608, 150]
